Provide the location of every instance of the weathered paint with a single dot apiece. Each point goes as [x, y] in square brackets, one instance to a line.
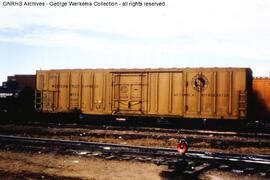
[212, 93]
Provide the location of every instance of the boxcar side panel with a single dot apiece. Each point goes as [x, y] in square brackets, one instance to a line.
[95, 92]
[165, 93]
[192, 104]
[99, 93]
[223, 94]
[215, 93]
[87, 91]
[176, 85]
[211, 93]
[63, 87]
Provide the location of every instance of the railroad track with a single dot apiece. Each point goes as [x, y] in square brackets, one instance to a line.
[160, 156]
[131, 136]
[123, 134]
[152, 129]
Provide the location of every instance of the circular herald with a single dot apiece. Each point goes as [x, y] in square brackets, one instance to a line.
[199, 82]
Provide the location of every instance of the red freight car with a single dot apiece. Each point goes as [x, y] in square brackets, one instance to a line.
[23, 80]
[261, 91]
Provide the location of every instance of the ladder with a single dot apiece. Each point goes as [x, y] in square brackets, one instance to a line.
[242, 107]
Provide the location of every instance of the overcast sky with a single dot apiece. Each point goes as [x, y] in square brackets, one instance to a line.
[184, 33]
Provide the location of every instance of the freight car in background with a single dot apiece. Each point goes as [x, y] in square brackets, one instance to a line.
[261, 98]
[17, 94]
[22, 81]
[184, 93]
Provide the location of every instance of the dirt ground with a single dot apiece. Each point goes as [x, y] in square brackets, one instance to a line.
[18, 165]
[49, 166]
[41, 165]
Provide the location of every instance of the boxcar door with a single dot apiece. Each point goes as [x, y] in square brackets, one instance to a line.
[129, 92]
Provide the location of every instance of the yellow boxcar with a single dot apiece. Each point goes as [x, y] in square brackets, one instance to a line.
[211, 93]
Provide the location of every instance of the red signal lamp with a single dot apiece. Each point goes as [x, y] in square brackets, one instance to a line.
[182, 146]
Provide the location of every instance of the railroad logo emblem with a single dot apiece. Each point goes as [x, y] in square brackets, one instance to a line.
[123, 89]
[199, 82]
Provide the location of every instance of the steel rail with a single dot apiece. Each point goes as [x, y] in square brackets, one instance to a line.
[179, 131]
[157, 130]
